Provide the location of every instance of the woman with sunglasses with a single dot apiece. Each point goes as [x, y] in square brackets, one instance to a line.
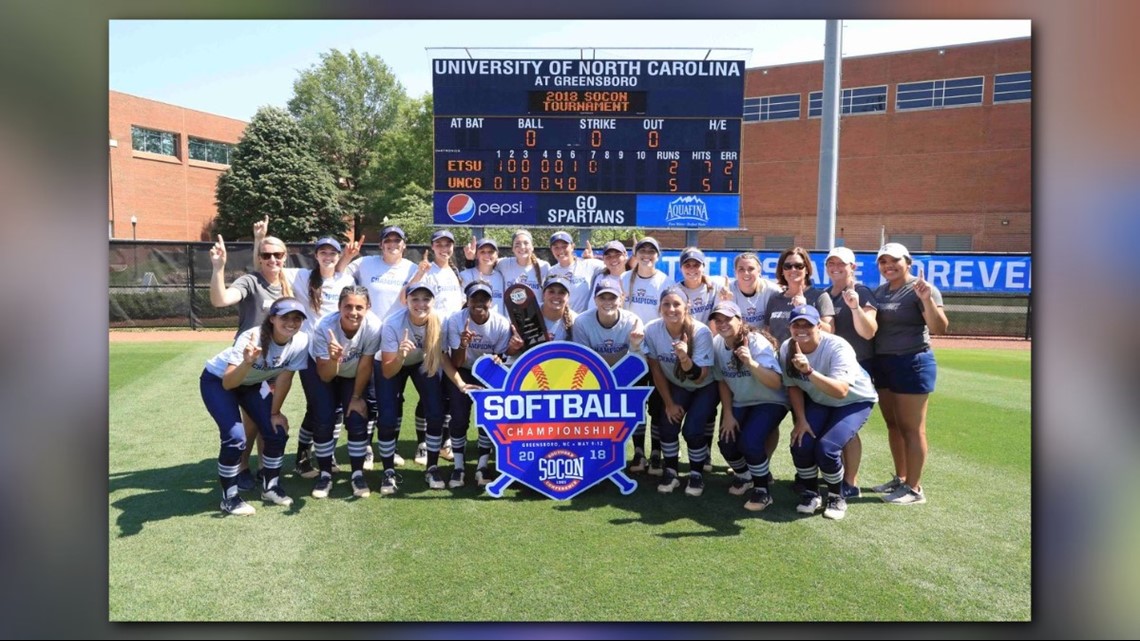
[238, 379]
[795, 276]
[578, 274]
[679, 350]
[642, 286]
[910, 310]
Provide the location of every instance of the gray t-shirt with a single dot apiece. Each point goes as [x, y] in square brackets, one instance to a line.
[844, 323]
[780, 308]
[491, 337]
[365, 343]
[834, 357]
[557, 327]
[746, 390]
[257, 296]
[330, 294]
[580, 274]
[384, 281]
[393, 332]
[448, 290]
[902, 329]
[644, 298]
[514, 273]
[752, 307]
[293, 356]
[659, 346]
[702, 298]
[612, 342]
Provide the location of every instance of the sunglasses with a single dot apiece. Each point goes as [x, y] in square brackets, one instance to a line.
[268, 255]
[796, 266]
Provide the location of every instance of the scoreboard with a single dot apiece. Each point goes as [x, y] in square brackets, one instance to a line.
[565, 143]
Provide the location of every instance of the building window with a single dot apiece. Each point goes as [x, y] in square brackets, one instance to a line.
[953, 242]
[154, 142]
[786, 107]
[1013, 87]
[860, 100]
[210, 151]
[913, 242]
[738, 242]
[779, 242]
[936, 94]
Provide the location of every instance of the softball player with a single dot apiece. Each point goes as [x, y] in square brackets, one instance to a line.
[526, 267]
[485, 253]
[580, 274]
[750, 291]
[238, 377]
[555, 308]
[831, 398]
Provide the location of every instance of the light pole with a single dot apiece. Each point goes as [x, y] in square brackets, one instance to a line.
[134, 247]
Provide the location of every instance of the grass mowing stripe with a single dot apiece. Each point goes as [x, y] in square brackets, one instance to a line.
[459, 555]
[978, 387]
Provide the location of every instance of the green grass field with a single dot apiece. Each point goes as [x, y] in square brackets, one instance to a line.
[458, 555]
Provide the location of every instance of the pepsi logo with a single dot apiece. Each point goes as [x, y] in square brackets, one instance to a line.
[461, 208]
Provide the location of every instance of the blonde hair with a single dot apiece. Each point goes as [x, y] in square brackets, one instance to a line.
[286, 287]
[433, 350]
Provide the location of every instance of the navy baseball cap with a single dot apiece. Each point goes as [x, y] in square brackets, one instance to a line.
[283, 306]
[726, 308]
[392, 229]
[693, 254]
[614, 246]
[477, 286]
[327, 240]
[556, 280]
[487, 240]
[563, 236]
[805, 312]
[415, 287]
[442, 233]
[607, 286]
[648, 240]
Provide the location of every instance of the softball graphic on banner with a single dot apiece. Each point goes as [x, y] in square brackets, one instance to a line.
[559, 418]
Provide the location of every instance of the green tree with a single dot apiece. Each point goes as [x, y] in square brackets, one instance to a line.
[405, 158]
[274, 171]
[347, 103]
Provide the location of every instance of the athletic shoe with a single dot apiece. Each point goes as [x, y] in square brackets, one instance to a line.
[369, 458]
[639, 463]
[848, 491]
[398, 460]
[234, 505]
[809, 503]
[434, 480]
[304, 467]
[421, 454]
[906, 495]
[655, 463]
[759, 500]
[335, 467]
[277, 496]
[740, 485]
[696, 485]
[323, 486]
[669, 481]
[390, 483]
[485, 476]
[889, 487]
[836, 508]
[457, 479]
[445, 451]
[360, 487]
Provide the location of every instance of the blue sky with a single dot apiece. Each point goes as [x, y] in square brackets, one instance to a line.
[232, 67]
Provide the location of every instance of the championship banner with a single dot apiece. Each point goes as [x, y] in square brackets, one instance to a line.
[559, 418]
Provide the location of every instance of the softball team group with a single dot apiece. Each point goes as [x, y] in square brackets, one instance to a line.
[358, 329]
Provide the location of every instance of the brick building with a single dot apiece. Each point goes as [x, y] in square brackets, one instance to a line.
[163, 166]
[935, 151]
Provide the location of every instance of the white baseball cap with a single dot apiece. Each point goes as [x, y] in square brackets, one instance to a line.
[894, 250]
[843, 254]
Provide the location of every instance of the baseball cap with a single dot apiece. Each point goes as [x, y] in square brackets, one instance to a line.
[392, 229]
[487, 240]
[607, 286]
[843, 254]
[327, 240]
[477, 286]
[805, 312]
[727, 309]
[556, 279]
[283, 306]
[648, 240]
[693, 254]
[614, 245]
[442, 233]
[894, 250]
[414, 287]
[563, 236]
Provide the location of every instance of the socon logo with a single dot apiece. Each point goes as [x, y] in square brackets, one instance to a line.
[461, 208]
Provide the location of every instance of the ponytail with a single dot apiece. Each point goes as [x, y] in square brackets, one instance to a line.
[433, 350]
[316, 283]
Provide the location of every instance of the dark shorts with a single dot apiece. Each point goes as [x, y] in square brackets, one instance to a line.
[905, 373]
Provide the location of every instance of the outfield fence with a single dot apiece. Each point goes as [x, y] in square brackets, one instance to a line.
[166, 284]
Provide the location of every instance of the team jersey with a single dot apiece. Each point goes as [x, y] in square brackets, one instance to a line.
[393, 333]
[580, 275]
[292, 356]
[611, 342]
[384, 282]
[448, 290]
[557, 327]
[702, 298]
[659, 346]
[644, 297]
[835, 358]
[491, 337]
[514, 273]
[365, 343]
[752, 306]
[746, 390]
[902, 328]
[330, 295]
